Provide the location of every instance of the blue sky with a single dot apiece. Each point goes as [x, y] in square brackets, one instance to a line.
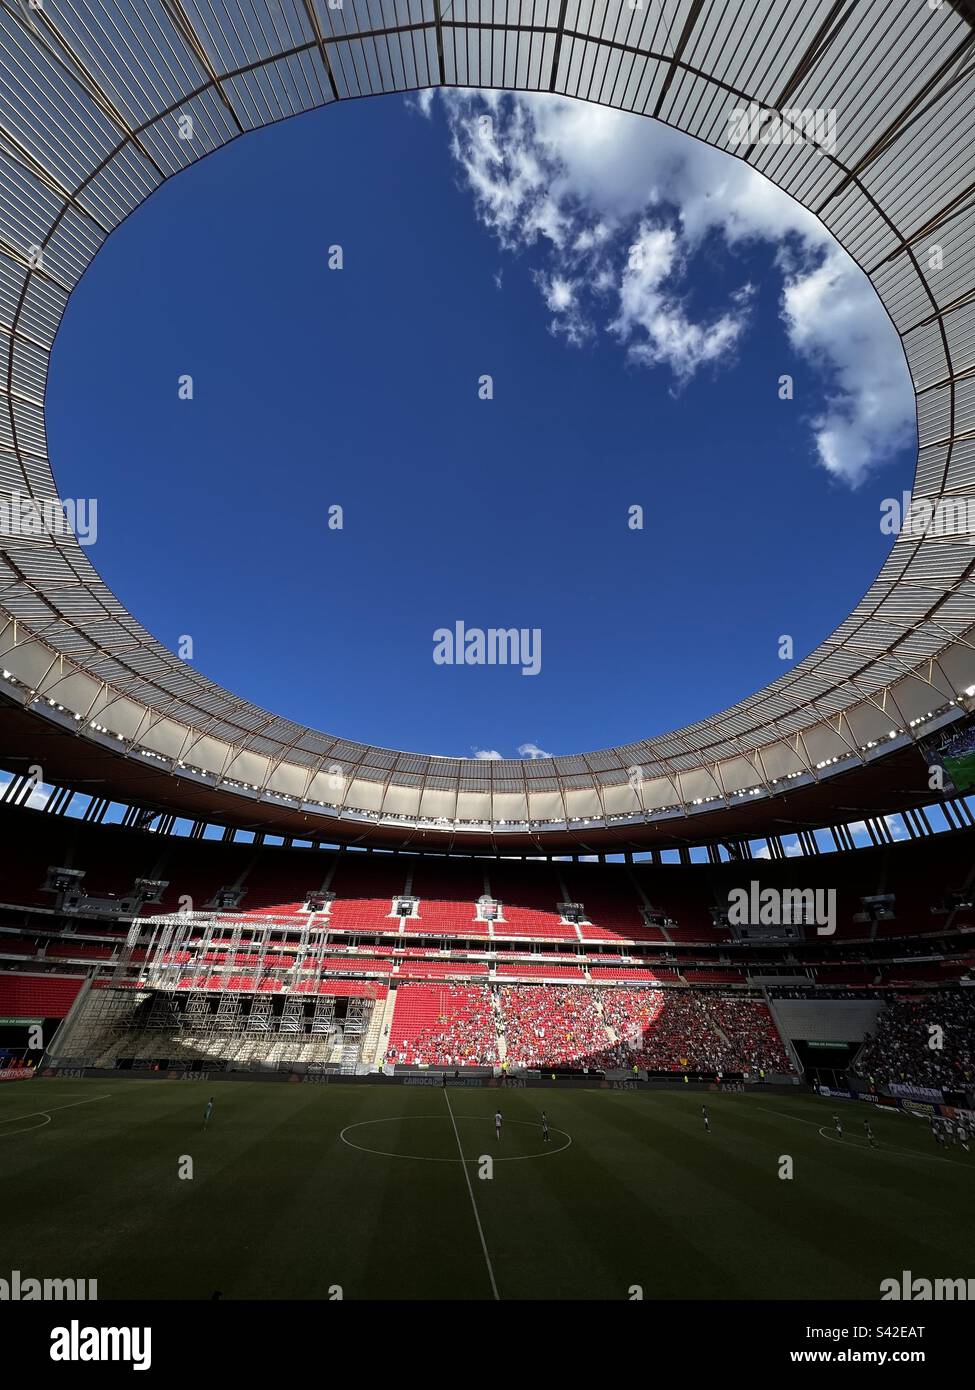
[469, 248]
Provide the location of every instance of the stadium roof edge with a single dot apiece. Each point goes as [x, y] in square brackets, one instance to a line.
[92, 136]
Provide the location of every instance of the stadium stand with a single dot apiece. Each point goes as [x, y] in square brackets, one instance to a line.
[900, 1048]
[547, 970]
[529, 894]
[448, 896]
[443, 1025]
[628, 974]
[418, 969]
[706, 1015]
[37, 996]
[613, 911]
[682, 1030]
[364, 894]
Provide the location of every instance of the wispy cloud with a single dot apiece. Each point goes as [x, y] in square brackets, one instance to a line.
[651, 321]
[422, 101]
[616, 210]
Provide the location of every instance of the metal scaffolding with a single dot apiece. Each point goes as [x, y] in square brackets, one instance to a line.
[227, 989]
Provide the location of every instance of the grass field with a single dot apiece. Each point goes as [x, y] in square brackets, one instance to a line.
[631, 1191]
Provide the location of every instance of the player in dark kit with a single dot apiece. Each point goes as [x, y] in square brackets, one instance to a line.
[869, 1133]
[546, 1138]
[707, 1122]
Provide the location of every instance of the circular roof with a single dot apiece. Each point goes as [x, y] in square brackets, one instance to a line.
[101, 103]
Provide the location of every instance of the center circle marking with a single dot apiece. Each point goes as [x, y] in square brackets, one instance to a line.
[460, 1119]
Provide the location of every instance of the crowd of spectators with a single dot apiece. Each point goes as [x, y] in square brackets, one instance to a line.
[675, 1030]
[550, 1026]
[925, 1041]
[753, 1041]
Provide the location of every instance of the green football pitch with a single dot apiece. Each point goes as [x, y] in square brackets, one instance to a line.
[301, 1190]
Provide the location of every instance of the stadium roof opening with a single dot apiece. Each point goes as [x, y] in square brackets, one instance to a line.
[90, 133]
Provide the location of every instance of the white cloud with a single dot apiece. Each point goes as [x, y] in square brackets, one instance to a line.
[583, 185]
[833, 316]
[525, 750]
[654, 324]
[561, 296]
[532, 750]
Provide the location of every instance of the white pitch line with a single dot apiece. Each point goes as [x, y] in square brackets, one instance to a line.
[827, 1132]
[477, 1218]
[799, 1119]
[889, 1150]
[51, 1109]
[425, 1158]
[7, 1134]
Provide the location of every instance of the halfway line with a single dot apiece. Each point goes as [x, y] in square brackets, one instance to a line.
[467, 1176]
